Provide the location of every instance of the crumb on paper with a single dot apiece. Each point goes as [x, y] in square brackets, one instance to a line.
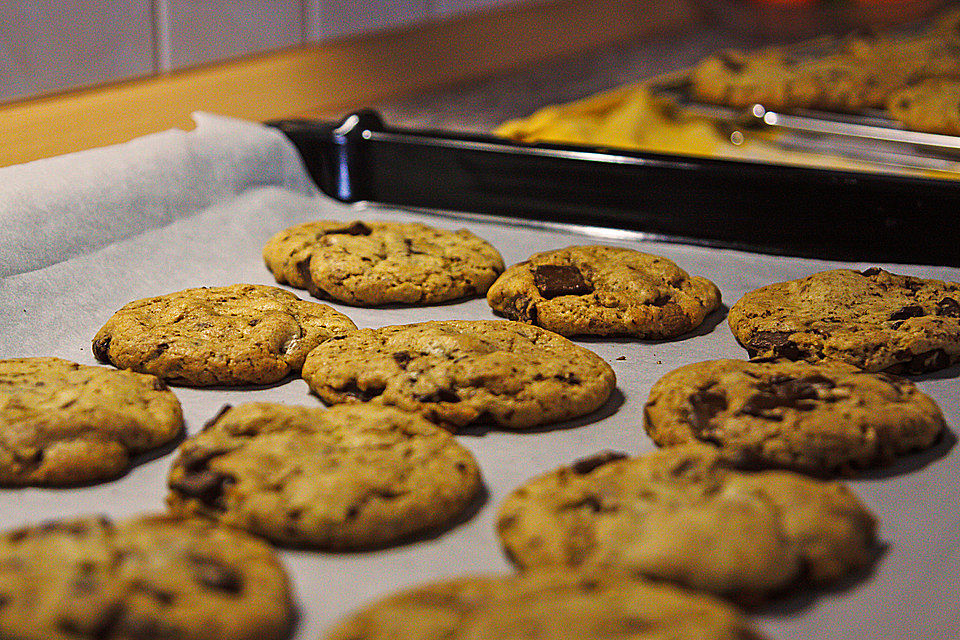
[622, 358]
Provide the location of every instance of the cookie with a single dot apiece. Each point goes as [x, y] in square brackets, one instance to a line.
[932, 106]
[819, 418]
[872, 319]
[235, 335]
[546, 606]
[458, 372]
[150, 577]
[600, 290]
[682, 515]
[376, 263]
[63, 423]
[348, 477]
[742, 79]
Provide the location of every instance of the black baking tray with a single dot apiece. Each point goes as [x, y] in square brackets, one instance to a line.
[768, 208]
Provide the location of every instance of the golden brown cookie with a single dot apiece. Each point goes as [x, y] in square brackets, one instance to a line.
[64, 423]
[554, 605]
[682, 515]
[90, 578]
[458, 372]
[820, 418]
[234, 335]
[375, 263]
[872, 319]
[347, 477]
[599, 290]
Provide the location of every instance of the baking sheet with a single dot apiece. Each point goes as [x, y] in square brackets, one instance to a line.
[54, 304]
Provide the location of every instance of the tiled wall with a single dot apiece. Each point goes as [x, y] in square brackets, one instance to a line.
[51, 45]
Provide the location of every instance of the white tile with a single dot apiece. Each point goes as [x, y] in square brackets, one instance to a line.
[49, 45]
[192, 32]
[457, 7]
[333, 18]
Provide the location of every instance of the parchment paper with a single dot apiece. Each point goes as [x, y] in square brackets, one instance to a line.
[84, 234]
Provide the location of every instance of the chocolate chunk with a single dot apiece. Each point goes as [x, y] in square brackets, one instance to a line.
[776, 341]
[704, 405]
[96, 624]
[355, 229]
[920, 363]
[101, 349]
[439, 395]
[194, 460]
[949, 308]
[872, 271]
[364, 395]
[212, 421]
[584, 466]
[909, 311]
[206, 486]
[522, 309]
[560, 280]
[732, 63]
[786, 392]
[213, 573]
[402, 358]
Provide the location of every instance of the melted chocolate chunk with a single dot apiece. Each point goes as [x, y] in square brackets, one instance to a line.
[355, 229]
[584, 466]
[364, 395]
[439, 395]
[402, 358]
[101, 349]
[909, 311]
[872, 271]
[704, 405]
[205, 485]
[194, 460]
[732, 63]
[560, 280]
[932, 360]
[213, 573]
[786, 392]
[949, 308]
[776, 341]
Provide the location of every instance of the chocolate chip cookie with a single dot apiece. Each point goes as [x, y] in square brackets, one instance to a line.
[348, 477]
[235, 335]
[932, 105]
[63, 423]
[546, 605]
[150, 577]
[600, 290]
[873, 319]
[458, 372]
[820, 418]
[376, 263]
[682, 515]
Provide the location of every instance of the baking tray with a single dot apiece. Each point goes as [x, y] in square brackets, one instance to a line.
[912, 591]
[770, 208]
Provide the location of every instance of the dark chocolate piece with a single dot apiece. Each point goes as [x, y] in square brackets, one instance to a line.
[559, 280]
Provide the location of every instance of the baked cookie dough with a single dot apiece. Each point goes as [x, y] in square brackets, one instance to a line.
[150, 577]
[234, 335]
[63, 423]
[682, 515]
[458, 372]
[820, 418]
[546, 606]
[376, 263]
[601, 290]
[347, 477]
[872, 319]
[932, 106]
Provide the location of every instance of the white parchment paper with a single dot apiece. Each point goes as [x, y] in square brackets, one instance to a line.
[81, 235]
